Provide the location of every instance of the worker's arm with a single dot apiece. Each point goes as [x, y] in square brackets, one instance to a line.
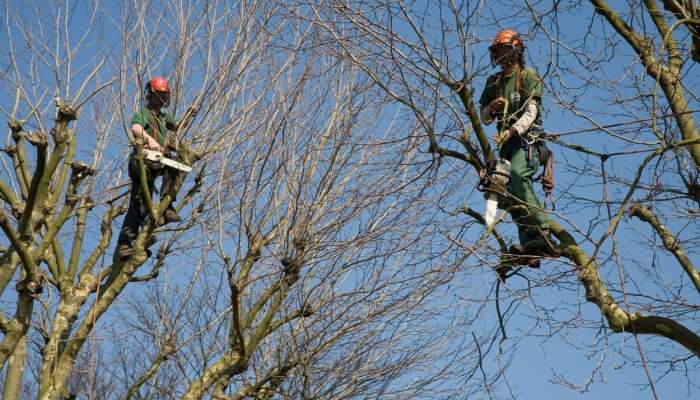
[525, 121]
[149, 143]
[190, 114]
[521, 125]
[486, 116]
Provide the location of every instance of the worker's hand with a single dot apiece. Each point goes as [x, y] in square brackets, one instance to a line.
[497, 105]
[505, 136]
[497, 139]
[152, 144]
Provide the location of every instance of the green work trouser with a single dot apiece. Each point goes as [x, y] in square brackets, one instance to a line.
[532, 220]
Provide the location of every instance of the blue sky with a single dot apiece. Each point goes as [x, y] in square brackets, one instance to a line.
[536, 361]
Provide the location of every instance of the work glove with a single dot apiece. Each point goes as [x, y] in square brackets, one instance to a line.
[497, 105]
[501, 138]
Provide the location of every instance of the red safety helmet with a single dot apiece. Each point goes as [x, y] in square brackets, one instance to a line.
[511, 39]
[158, 86]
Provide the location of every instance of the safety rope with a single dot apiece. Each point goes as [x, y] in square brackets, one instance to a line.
[604, 127]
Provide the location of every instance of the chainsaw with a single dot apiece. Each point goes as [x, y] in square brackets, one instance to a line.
[494, 181]
[158, 157]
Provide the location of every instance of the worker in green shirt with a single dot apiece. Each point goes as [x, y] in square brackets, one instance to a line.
[151, 127]
[513, 97]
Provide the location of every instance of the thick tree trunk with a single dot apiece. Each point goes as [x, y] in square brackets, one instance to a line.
[15, 371]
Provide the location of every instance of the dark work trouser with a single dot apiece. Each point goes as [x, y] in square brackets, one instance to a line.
[137, 213]
[532, 220]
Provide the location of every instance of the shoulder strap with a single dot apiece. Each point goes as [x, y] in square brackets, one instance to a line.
[519, 83]
[498, 82]
[155, 126]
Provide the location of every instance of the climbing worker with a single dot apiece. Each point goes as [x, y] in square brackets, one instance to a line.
[513, 97]
[150, 127]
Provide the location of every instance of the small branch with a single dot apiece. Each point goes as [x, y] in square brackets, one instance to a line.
[19, 247]
[618, 319]
[19, 158]
[143, 181]
[304, 312]
[162, 356]
[436, 149]
[669, 240]
[155, 271]
[480, 219]
[465, 95]
[258, 390]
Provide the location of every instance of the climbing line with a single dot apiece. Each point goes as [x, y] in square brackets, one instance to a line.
[603, 127]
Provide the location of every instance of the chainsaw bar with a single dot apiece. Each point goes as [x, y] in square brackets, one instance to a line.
[157, 156]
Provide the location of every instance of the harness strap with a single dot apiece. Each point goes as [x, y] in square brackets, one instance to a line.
[547, 180]
[518, 88]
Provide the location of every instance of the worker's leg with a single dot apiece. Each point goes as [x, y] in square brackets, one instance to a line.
[531, 221]
[169, 176]
[137, 212]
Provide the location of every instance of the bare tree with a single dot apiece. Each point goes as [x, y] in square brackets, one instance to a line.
[431, 60]
[331, 247]
[300, 269]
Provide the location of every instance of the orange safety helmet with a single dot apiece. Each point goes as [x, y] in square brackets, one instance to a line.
[158, 86]
[507, 37]
[510, 38]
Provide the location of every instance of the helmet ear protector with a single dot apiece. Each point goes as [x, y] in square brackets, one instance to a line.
[157, 87]
[509, 39]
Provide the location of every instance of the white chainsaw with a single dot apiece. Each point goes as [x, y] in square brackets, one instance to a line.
[157, 156]
[497, 180]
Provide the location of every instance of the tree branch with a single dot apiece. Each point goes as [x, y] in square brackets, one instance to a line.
[668, 81]
[618, 319]
[669, 240]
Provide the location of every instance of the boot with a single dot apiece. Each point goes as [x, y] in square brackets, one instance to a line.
[519, 255]
[502, 271]
[170, 215]
[124, 252]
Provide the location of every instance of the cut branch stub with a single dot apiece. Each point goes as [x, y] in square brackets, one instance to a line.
[72, 199]
[80, 170]
[255, 254]
[307, 310]
[31, 288]
[38, 139]
[291, 266]
[17, 208]
[291, 269]
[65, 112]
[16, 128]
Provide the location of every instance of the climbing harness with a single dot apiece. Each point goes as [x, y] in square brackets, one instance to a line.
[535, 139]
